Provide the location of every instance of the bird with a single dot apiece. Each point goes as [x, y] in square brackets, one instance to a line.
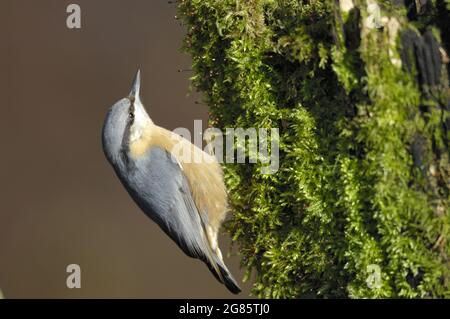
[185, 196]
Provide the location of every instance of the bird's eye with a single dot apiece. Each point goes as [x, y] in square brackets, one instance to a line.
[131, 115]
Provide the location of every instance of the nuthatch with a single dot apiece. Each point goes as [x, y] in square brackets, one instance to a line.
[186, 198]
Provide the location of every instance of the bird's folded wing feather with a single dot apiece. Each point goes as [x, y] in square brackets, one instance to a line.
[168, 201]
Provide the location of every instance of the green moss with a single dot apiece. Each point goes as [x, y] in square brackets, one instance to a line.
[363, 182]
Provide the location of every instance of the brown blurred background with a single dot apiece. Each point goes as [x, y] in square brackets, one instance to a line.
[60, 201]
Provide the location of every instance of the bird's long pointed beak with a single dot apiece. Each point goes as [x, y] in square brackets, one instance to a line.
[136, 85]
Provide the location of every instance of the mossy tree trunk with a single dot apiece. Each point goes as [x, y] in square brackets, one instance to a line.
[359, 91]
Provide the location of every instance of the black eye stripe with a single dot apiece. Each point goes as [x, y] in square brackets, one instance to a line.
[125, 147]
[131, 109]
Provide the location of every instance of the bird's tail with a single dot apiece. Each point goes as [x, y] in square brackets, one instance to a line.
[224, 275]
[228, 279]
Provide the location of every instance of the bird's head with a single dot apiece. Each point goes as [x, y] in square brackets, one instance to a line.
[125, 123]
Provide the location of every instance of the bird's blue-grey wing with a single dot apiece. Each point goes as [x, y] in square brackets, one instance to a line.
[158, 185]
